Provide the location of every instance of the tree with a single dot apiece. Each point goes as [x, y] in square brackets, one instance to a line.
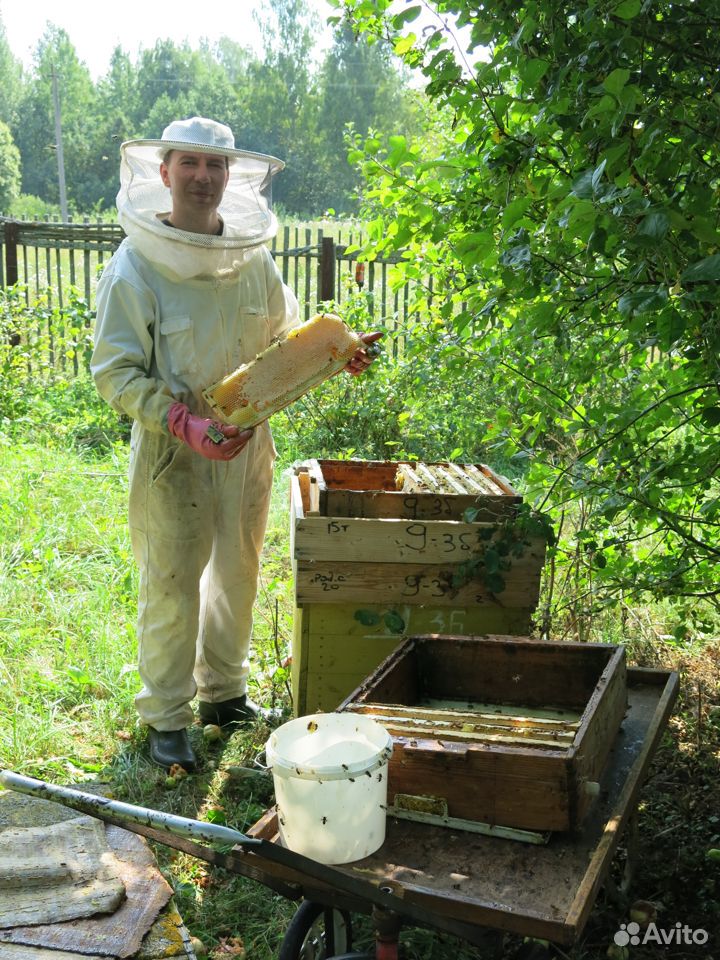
[10, 175]
[10, 80]
[279, 105]
[35, 135]
[573, 218]
[360, 88]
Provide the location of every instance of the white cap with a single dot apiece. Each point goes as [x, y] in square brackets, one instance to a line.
[198, 135]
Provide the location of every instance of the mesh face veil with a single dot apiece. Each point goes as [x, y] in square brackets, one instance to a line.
[143, 202]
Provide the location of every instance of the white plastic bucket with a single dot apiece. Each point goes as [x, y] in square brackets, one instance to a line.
[330, 777]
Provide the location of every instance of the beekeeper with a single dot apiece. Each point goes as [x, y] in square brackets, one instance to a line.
[190, 294]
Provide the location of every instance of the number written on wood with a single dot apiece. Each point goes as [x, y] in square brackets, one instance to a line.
[436, 507]
[417, 583]
[329, 581]
[417, 538]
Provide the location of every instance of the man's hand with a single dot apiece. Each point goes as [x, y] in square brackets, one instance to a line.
[198, 433]
[362, 358]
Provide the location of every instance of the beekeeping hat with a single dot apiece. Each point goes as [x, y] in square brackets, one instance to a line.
[144, 201]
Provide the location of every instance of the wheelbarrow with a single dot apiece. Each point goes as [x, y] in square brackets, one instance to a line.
[477, 888]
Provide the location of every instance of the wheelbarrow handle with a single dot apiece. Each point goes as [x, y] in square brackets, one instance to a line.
[154, 823]
[94, 805]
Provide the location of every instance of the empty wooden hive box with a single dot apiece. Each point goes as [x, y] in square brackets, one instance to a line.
[382, 550]
[500, 731]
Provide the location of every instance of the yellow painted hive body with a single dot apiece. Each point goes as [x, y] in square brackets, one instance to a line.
[287, 369]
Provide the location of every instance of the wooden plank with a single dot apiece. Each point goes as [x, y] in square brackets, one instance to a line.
[477, 478]
[468, 478]
[408, 481]
[334, 651]
[502, 669]
[626, 802]
[598, 729]
[474, 734]
[513, 786]
[498, 480]
[302, 481]
[497, 714]
[398, 541]
[354, 582]
[393, 504]
[300, 648]
[359, 474]
[449, 480]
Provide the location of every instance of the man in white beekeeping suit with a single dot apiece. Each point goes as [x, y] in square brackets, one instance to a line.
[190, 294]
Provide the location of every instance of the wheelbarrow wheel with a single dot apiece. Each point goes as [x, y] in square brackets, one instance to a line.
[316, 932]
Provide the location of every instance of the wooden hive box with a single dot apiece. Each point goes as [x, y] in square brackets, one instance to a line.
[505, 731]
[374, 563]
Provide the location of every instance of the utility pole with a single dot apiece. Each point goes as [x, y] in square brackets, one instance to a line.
[59, 147]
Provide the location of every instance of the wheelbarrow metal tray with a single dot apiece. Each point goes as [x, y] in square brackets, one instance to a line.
[505, 731]
[466, 881]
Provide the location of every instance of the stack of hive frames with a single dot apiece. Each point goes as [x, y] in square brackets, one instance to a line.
[505, 731]
[374, 563]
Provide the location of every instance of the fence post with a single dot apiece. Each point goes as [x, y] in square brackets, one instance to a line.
[11, 263]
[11, 267]
[327, 269]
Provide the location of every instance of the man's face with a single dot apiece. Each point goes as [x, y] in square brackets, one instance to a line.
[197, 181]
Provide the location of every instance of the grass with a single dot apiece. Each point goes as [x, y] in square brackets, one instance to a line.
[67, 681]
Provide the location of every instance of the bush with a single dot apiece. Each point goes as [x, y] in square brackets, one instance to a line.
[48, 393]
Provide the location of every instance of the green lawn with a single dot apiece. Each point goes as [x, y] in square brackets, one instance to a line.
[67, 652]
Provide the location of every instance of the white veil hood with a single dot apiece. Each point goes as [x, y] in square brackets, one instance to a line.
[144, 201]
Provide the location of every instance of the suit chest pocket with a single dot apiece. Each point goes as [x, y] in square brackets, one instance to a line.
[253, 335]
[177, 340]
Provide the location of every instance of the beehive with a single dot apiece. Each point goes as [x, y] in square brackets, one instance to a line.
[287, 369]
[503, 731]
[378, 555]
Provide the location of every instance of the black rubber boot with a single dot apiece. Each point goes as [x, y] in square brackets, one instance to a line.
[168, 747]
[234, 712]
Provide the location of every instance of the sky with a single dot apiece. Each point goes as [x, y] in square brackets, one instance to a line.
[96, 28]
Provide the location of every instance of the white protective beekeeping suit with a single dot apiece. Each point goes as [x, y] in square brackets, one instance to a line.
[175, 312]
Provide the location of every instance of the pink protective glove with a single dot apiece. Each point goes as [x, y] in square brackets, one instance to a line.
[193, 431]
[362, 358]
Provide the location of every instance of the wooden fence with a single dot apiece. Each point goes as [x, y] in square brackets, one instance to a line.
[49, 258]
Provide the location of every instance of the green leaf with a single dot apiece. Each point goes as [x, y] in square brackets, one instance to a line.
[404, 44]
[597, 174]
[670, 328]
[711, 416]
[583, 186]
[641, 301]
[515, 210]
[654, 226]
[406, 16]
[707, 269]
[474, 247]
[628, 9]
[616, 81]
[216, 816]
[531, 71]
[713, 854]
[494, 582]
